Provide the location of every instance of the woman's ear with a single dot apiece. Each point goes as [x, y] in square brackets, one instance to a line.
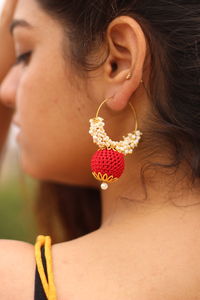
[123, 68]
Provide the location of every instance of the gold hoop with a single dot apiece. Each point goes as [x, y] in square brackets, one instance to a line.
[135, 117]
[100, 137]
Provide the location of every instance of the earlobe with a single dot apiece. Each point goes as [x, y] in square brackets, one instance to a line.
[127, 45]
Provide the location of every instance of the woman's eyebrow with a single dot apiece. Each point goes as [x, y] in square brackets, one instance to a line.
[19, 22]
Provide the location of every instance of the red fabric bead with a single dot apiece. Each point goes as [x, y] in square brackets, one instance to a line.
[108, 161]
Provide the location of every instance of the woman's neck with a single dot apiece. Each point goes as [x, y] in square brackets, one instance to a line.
[125, 200]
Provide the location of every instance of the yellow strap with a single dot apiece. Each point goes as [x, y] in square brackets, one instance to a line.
[49, 286]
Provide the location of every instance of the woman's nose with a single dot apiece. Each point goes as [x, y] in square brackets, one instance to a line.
[9, 87]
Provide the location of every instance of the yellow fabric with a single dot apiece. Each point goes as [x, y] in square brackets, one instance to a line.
[48, 285]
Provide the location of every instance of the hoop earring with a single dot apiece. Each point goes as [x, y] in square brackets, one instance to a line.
[107, 163]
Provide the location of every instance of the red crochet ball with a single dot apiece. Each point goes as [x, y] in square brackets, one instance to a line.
[108, 161]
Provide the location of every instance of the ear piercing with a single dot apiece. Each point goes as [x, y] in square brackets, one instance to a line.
[129, 76]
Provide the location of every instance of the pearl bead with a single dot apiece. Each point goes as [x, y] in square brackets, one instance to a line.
[104, 186]
[100, 137]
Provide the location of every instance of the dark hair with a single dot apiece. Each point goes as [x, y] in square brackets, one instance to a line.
[67, 212]
[172, 30]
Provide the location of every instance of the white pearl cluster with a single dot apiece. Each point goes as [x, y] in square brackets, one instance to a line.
[100, 137]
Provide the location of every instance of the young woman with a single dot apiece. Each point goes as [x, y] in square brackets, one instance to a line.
[141, 60]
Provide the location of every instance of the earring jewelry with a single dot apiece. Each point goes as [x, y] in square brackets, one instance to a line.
[107, 163]
[129, 76]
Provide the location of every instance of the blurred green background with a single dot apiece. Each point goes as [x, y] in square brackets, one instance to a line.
[17, 194]
[16, 215]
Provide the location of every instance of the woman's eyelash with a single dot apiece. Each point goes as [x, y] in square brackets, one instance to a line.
[23, 58]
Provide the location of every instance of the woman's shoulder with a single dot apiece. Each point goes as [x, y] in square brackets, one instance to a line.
[75, 266]
[18, 265]
[17, 270]
[84, 268]
[89, 268]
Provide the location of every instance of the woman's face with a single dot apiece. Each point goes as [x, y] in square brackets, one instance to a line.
[51, 102]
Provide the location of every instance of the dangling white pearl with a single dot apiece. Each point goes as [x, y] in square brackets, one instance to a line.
[104, 186]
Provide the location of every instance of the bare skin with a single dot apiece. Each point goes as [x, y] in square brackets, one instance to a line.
[144, 250]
